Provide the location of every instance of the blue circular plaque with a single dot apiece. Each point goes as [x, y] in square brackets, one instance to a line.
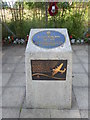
[48, 39]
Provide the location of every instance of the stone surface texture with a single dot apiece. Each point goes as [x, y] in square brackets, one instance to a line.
[48, 94]
[15, 84]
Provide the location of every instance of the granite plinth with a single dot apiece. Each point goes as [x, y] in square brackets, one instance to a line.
[45, 93]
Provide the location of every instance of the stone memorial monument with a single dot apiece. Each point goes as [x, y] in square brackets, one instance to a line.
[48, 61]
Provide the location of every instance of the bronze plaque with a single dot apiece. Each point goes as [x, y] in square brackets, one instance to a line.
[49, 69]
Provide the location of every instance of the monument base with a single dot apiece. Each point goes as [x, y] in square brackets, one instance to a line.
[49, 95]
[48, 83]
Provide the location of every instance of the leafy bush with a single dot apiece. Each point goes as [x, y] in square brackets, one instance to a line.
[75, 25]
[73, 21]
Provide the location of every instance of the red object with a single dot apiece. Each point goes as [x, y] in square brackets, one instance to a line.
[70, 36]
[87, 35]
[50, 9]
[12, 38]
[27, 37]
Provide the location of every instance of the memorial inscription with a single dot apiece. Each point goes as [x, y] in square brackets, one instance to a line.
[48, 39]
[49, 69]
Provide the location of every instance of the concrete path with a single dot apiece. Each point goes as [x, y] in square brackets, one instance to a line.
[13, 86]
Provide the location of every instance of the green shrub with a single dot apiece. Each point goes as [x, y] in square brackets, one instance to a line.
[73, 21]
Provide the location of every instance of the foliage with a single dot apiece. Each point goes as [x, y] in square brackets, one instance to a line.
[74, 21]
[75, 25]
[31, 5]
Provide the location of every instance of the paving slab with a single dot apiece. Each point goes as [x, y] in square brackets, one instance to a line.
[17, 50]
[35, 113]
[88, 59]
[75, 58]
[83, 53]
[88, 80]
[65, 114]
[8, 68]
[13, 96]
[5, 78]
[10, 113]
[86, 67]
[84, 113]
[0, 57]
[78, 68]
[89, 98]
[0, 113]
[22, 60]
[18, 79]
[13, 59]
[3, 53]
[80, 80]
[20, 68]
[79, 47]
[0, 97]
[81, 97]
[0, 79]
[0, 90]
[89, 114]
[83, 59]
[74, 102]
[4, 58]
[0, 68]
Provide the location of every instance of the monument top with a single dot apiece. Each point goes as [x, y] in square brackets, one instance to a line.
[48, 40]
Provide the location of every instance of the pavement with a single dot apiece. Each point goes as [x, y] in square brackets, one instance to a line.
[13, 86]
